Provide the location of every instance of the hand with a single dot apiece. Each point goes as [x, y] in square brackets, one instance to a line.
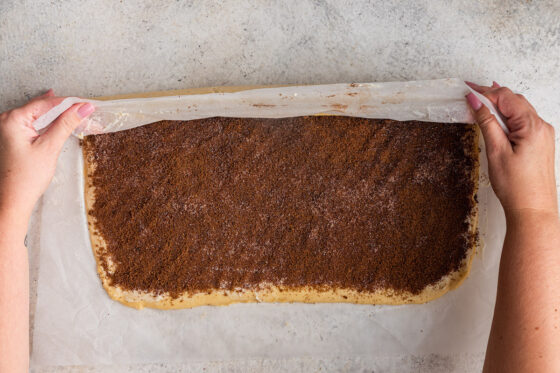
[521, 164]
[27, 159]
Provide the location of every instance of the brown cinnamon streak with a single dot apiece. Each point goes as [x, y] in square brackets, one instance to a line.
[321, 201]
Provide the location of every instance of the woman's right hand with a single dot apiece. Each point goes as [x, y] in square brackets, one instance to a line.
[521, 163]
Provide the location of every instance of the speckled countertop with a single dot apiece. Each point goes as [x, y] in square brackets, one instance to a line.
[103, 47]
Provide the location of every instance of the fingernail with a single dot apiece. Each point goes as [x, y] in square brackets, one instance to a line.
[85, 110]
[495, 85]
[473, 101]
[471, 84]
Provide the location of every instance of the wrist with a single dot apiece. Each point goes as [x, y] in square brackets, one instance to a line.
[13, 222]
[531, 215]
[14, 206]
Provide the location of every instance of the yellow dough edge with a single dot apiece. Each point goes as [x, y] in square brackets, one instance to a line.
[269, 293]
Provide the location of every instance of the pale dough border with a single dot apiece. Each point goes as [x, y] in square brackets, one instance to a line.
[267, 292]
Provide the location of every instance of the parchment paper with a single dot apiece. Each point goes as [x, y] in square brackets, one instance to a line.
[432, 100]
[77, 323]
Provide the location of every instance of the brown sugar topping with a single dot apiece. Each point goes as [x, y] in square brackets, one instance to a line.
[322, 201]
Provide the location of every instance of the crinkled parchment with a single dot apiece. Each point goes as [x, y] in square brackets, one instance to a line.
[77, 323]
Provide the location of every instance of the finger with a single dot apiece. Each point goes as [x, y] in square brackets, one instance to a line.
[509, 104]
[494, 136]
[49, 93]
[29, 112]
[476, 87]
[62, 127]
[482, 88]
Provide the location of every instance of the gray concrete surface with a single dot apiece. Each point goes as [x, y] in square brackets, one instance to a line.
[92, 48]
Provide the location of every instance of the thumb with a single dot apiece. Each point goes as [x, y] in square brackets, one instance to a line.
[495, 138]
[61, 128]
